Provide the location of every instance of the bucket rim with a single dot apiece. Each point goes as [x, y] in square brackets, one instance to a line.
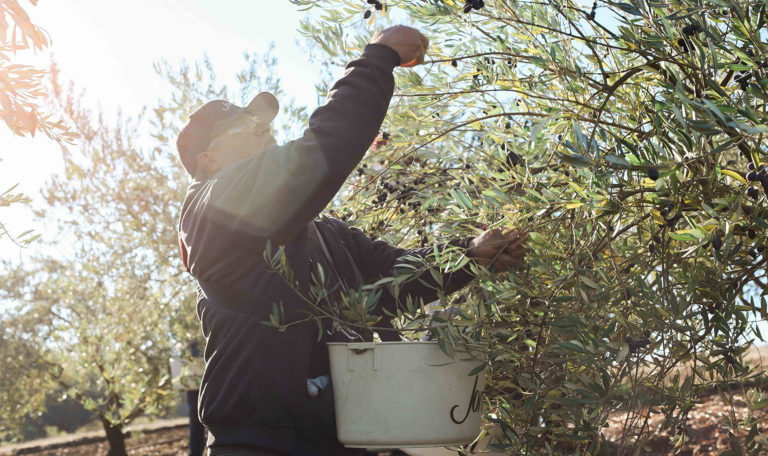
[368, 344]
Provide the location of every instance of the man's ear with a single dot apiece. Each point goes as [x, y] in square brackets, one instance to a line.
[205, 161]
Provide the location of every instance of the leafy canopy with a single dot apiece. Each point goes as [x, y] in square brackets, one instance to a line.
[621, 136]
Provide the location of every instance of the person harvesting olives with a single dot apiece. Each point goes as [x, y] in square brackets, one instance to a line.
[266, 391]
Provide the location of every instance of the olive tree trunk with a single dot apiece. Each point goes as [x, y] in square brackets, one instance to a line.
[115, 437]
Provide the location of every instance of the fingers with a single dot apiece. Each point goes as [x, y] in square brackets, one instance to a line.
[425, 46]
[512, 233]
[410, 44]
[421, 51]
[504, 262]
[509, 246]
[509, 239]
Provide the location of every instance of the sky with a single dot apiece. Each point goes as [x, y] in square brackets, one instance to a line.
[107, 48]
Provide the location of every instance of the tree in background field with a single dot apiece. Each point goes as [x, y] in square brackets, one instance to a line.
[22, 92]
[627, 138]
[101, 317]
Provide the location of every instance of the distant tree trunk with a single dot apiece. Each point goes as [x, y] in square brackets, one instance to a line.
[116, 439]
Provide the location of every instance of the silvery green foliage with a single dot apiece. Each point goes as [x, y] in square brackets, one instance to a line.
[621, 136]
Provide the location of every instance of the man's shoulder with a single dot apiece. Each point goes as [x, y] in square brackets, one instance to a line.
[332, 223]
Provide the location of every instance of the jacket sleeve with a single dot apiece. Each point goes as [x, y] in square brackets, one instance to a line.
[377, 259]
[277, 192]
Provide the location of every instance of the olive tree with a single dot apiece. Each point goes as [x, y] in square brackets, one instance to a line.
[627, 139]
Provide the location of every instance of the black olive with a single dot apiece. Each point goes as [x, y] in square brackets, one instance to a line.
[691, 29]
[367, 14]
[653, 173]
[513, 159]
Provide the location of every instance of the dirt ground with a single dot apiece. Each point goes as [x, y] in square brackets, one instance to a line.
[705, 433]
[171, 441]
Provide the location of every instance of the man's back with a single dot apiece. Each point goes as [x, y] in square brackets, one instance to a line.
[254, 387]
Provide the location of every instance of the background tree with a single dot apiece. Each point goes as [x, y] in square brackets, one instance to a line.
[104, 312]
[627, 137]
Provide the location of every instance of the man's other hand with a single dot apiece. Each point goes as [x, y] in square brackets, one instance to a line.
[408, 42]
[502, 250]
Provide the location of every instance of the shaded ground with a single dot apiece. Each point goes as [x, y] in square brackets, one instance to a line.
[163, 438]
[166, 438]
[704, 433]
[171, 442]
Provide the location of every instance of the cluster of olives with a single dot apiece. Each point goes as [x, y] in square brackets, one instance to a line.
[376, 4]
[637, 344]
[672, 221]
[476, 5]
[756, 175]
[728, 356]
[745, 76]
[424, 240]
[401, 192]
[689, 31]
[714, 307]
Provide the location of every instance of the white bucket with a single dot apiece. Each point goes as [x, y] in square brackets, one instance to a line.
[404, 394]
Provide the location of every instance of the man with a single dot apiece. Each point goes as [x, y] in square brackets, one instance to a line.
[263, 392]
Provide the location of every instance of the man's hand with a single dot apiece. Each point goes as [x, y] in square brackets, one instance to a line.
[503, 250]
[408, 42]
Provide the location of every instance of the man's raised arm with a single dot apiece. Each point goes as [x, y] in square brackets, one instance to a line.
[286, 187]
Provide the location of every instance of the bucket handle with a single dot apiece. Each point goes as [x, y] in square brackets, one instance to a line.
[359, 348]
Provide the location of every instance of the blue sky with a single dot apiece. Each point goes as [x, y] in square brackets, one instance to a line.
[108, 48]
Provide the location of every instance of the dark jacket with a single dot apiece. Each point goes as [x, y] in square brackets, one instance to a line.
[254, 389]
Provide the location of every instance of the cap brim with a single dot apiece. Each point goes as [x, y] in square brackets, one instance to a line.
[264, 106]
